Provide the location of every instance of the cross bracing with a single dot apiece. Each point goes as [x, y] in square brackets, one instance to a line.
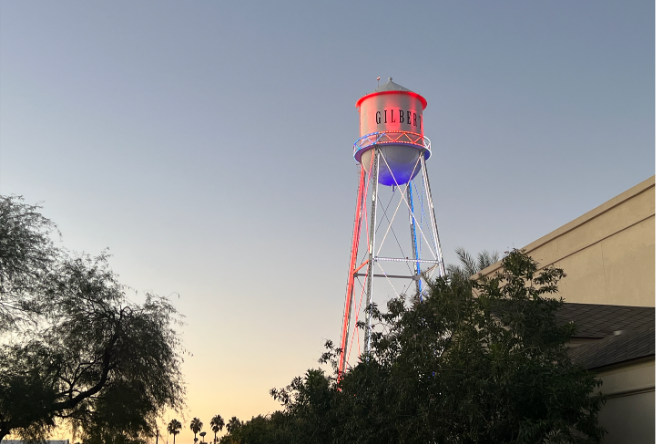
[395, 248]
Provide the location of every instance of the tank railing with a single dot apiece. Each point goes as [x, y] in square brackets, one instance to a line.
[391, 137]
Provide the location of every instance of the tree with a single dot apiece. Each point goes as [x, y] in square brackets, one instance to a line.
[478, 361]
[26, 255]
[469, 266]
[174, 428]
[217, 424]
[73, 347]
[233, 424]
[196, 426]
[270, 429]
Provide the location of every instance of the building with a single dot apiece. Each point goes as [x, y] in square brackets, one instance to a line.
[608, 257]
[617, 343]
[607, 253]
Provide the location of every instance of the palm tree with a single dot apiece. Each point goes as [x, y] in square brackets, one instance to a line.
[196, 426]
[233, 424]
[174, 428]
[470, 266]
[217, 425]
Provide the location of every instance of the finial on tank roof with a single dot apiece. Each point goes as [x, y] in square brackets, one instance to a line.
[390, 86]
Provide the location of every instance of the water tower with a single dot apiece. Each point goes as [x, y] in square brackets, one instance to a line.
[394, 196]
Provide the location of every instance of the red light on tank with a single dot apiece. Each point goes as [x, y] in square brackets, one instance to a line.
[423, 101]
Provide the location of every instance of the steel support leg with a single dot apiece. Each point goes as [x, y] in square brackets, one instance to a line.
[431, 210]
[348, 306]
[413, 236]
[372, 247]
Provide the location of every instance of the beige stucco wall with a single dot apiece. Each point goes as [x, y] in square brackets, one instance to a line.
[628, 415]
[607, 254]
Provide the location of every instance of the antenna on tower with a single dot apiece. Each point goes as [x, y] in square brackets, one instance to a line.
[378, 79]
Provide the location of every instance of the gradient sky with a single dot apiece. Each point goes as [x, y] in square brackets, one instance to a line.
[208, 146]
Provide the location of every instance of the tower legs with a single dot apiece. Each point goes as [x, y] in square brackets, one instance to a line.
[372, 248]
[387, 258]
[348, 307]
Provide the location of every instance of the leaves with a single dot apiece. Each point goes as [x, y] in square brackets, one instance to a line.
[196, 425]
[75, 348]
[173, 428]
[479, 361]
[26, 255]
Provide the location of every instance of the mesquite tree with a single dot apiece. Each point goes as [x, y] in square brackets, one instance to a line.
[72, 346]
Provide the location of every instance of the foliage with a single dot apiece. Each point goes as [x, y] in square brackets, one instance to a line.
[216, 423]
[75, 348]
[271, 429]
[233, 424]
[173, 428]
[26, 255]
[469, 266]
[235, 433]
[196, 426]
[478, 361]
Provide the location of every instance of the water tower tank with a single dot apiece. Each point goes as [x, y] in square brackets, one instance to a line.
[391, 118]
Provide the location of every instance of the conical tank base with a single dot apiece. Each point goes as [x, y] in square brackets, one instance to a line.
[398, 165]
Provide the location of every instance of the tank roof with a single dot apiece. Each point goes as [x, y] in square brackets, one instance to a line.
[390, 88]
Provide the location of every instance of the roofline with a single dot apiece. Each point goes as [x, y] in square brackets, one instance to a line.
[640, 188]
[378, 93]
[620, 364]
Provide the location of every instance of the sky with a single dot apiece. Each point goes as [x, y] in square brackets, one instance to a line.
[208, 146]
